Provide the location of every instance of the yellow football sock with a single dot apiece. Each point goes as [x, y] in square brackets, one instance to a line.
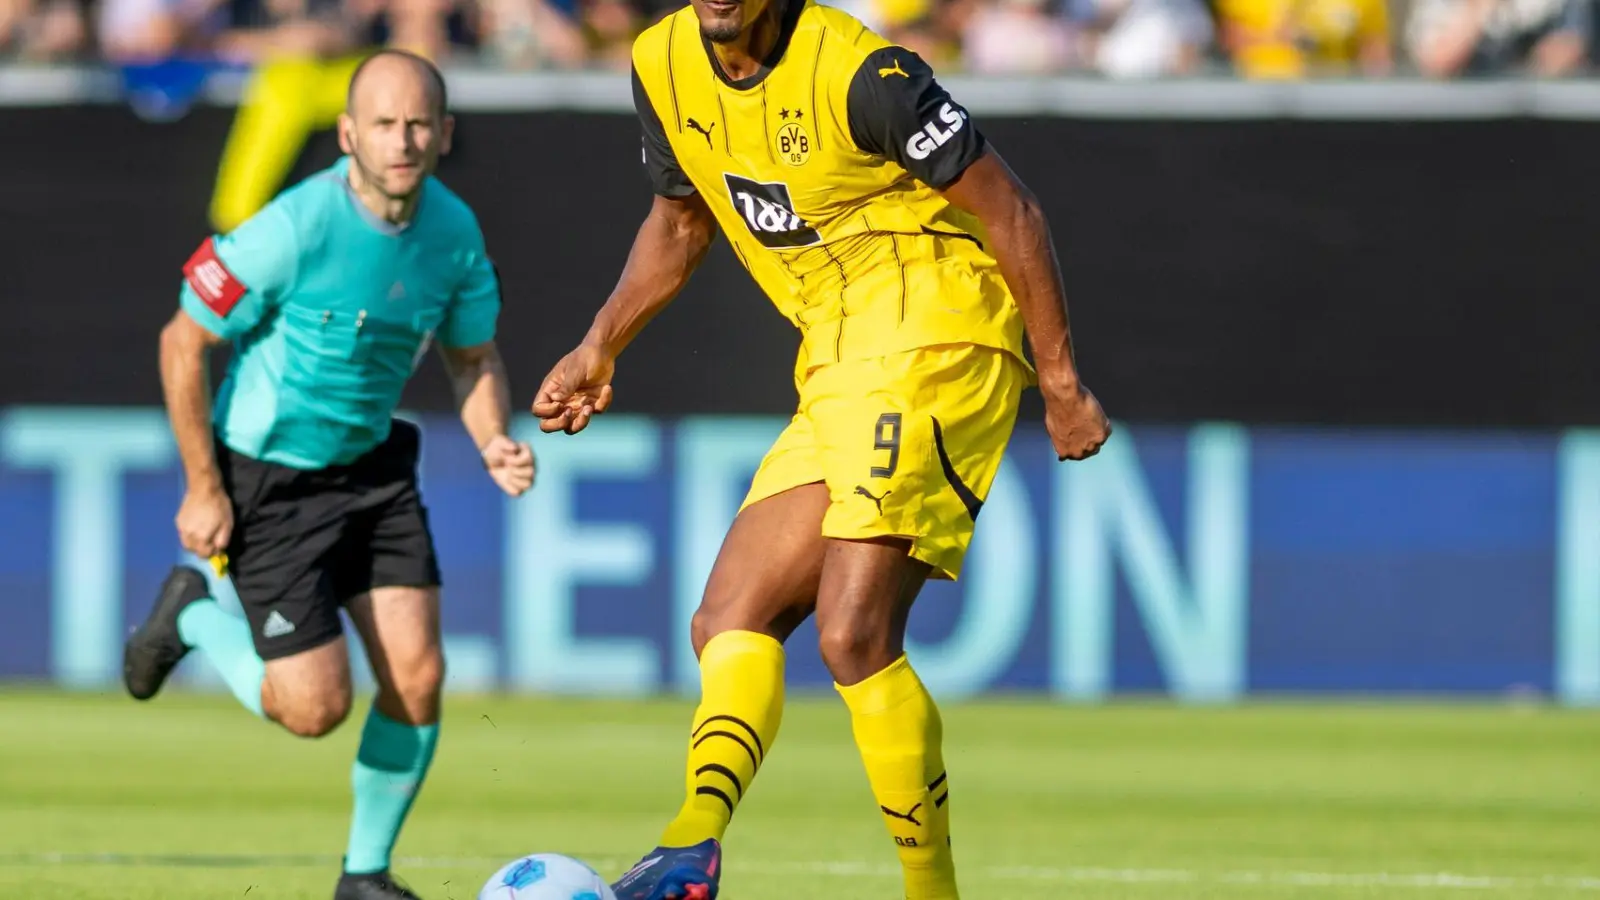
[741, 706]
[898, 732]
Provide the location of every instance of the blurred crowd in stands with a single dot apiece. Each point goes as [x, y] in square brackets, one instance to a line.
[1110, 38]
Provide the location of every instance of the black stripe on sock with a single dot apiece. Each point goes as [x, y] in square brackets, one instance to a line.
[967, 497]
[939, 803]
[937, 781]
[737, 721]
[725, 772]
[732, 737]
[713, 792]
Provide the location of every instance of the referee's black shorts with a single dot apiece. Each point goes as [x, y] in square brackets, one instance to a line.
[307, 542]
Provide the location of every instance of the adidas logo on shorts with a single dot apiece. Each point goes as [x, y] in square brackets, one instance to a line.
[276, 625]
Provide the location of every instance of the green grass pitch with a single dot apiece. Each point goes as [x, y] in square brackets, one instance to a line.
[188, 797]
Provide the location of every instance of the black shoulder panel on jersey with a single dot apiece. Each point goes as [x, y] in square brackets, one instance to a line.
[666, 178]
[898, 111]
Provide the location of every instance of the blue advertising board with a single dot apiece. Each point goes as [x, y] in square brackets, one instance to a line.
[1207, 562]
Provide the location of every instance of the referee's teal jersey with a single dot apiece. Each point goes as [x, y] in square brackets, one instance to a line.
[330, 309]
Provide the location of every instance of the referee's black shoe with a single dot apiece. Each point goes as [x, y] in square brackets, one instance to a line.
[154, 649]
[376, 886]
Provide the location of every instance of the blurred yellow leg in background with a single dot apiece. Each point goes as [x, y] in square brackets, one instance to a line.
[285, 102]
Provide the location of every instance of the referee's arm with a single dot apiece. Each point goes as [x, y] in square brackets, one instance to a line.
[466, 344]
[483, 392]
[230, 286]
[186, 383]
[478, 374]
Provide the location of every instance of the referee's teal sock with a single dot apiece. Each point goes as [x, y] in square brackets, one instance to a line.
[389, 769]
[225, 640]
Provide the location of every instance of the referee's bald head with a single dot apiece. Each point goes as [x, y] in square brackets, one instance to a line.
[382, 67]
[395, 126]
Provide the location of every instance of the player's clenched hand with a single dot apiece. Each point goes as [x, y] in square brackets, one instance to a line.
[205, 522]
[1078, 426]
[578, 388]
[510, 464]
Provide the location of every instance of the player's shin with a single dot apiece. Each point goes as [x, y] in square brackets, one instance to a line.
[225, 641]
[741, 707]
[898, 732]
[390, 766]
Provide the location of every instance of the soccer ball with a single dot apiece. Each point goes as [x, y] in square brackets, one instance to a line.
[546, 876]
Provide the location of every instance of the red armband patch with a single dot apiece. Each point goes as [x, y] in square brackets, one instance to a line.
[216, 287]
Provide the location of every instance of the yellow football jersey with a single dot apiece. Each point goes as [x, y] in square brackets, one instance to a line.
[822, 169]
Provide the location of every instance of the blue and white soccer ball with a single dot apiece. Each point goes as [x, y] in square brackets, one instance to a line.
[546, 876]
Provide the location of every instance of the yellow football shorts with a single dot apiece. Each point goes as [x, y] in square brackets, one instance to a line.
[908, 445]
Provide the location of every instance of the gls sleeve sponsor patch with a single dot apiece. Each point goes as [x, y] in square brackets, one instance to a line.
[898, 111]
[936, 134]
[211, 280]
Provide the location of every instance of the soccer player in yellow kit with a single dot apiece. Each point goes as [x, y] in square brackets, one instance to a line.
[870, 209]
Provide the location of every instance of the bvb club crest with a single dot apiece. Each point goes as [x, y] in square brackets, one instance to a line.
[794, 146]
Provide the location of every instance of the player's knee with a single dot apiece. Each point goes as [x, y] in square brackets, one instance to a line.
[416, 687]
[313, 716]
[306, 700]
[852, 645]
[709, 622]
[702, 628]
[425, 679]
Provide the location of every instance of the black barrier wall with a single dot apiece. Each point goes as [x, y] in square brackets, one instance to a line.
[1266, 271]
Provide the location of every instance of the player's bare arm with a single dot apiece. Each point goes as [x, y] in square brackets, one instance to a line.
[898, 111]
[205, 519]
[669, 246]
[483, 397]
[1019, 238]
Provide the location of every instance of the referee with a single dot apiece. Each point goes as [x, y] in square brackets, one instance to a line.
[298, 477]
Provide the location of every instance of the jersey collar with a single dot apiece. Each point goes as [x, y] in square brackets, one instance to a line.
[786, 26]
